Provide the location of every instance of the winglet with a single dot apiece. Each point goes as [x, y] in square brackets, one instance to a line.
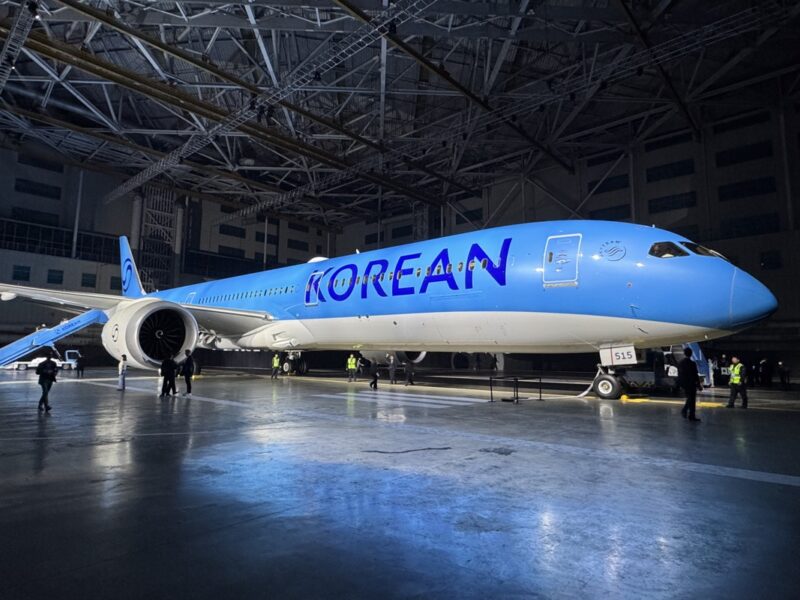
[131, 284]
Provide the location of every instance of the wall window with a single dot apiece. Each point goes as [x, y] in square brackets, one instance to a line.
[401, 232]
[228, 251]
[297, 227]
[55, 276]
[611, 184]
[21, 273]
[670, 170]
[116, 283]
[475, 215]
[612, 213]
[672, 202]
[372, 238]
[741, 122]
[746, 189]
[673, 140]
[297, 245]
[20, 213]
[35, 188]
[89, 280]
[751, 225]
[232, 231]
[771, 260]
[271, 238]
[40, 163]
[740, 154]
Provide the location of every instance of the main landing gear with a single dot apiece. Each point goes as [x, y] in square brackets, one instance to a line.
[609, 385]
[295, 364]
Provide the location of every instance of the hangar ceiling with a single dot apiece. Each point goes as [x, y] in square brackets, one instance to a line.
[331, 110]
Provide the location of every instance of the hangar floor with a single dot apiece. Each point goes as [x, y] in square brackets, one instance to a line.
[306, 488]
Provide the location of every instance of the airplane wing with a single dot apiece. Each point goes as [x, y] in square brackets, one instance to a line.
[68, 301]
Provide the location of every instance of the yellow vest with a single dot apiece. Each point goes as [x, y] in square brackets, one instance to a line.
[736, 373]
[276, 361]
[351, 363]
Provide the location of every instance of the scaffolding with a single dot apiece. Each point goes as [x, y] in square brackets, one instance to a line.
[156, 255]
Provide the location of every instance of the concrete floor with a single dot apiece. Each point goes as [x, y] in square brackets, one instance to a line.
[313, 488]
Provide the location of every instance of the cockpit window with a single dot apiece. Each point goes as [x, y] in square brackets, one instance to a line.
[666, 250]
[702, 250]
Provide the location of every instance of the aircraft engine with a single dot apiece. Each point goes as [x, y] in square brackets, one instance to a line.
[148, 331]
[400, 357]
[412, 357]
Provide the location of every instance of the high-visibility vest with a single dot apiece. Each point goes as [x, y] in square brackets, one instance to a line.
[736, 373]
[276, 361]
[351, 363]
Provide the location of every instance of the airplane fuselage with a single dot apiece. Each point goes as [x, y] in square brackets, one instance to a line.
[562, 286]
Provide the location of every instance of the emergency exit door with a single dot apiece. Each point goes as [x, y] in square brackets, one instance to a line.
[561, 255]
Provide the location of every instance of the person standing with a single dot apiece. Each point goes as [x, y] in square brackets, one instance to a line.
[689, 380]
[392, 369]
[712, 370]
[188, 372]
[122, 369]
[737, 384]
[783, 373]
[352, 366]
[373, 370]
[47, 377]
[168, 369]
[276, 365]
[80, 364]
[409, 373]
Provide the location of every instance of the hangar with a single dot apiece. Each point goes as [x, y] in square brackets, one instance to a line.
[459, 192]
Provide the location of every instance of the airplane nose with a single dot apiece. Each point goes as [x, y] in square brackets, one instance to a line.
[751, 301]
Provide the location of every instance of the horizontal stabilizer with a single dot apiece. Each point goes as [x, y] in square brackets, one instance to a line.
[48, 336]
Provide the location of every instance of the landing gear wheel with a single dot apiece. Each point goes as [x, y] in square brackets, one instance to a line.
[607, 387]
[300, 366]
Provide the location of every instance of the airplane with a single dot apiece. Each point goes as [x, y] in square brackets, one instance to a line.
[545, 287]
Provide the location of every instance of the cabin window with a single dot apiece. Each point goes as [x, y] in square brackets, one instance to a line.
[471, 265]
[666, 250]
[399, 275]
[449, 268]
[391, 275]
[439, 270]
[419, 271]
[484, 262]
[358, 279]
[460, 267]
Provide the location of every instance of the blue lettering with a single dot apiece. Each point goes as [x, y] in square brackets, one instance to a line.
[313, 293]
[497, 271]
[384, 265]
[351, 283]
[399, 272]
[442, 261]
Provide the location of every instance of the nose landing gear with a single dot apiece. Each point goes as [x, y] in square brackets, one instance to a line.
[608, 386]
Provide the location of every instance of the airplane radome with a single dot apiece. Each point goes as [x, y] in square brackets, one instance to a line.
[559, 286]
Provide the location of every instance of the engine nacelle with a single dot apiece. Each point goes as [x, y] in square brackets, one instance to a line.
[149, 330]
[401, 357]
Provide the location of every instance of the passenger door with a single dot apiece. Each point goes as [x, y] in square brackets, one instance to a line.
[561, 253]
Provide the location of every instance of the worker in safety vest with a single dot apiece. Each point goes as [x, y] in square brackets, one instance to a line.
[276, 365]
[737, 384]
[352, 367]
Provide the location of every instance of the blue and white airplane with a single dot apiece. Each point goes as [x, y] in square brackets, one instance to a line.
[548, 287]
